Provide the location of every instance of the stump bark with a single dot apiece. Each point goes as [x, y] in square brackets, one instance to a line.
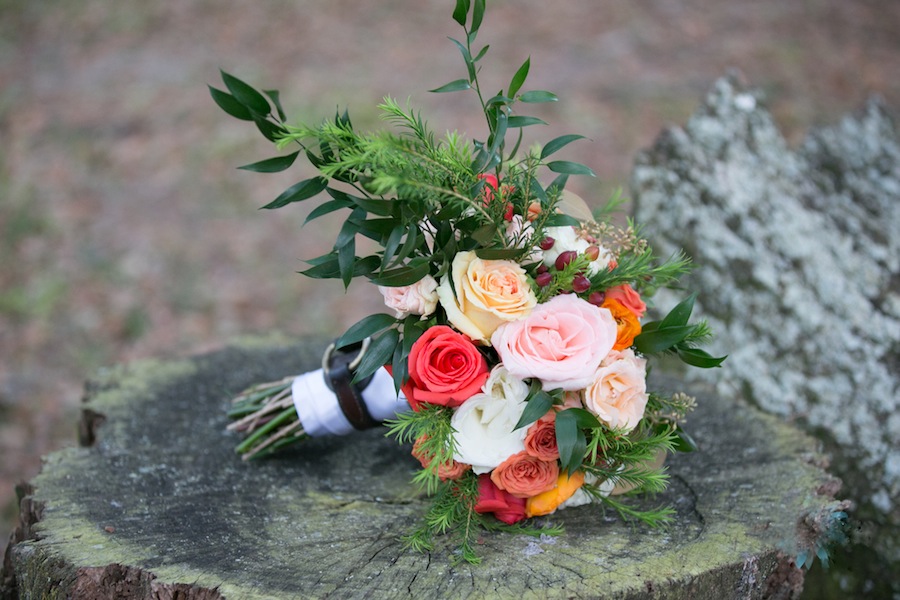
[157, 505]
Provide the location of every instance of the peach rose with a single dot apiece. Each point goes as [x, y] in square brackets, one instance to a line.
[629, 298]
[523, 475]
[561, 342]
[547, 502]
[540, 441]
[618, 394]
[445, 368]
[627, 325]
[484, 294]
[419, 298]
[448, 470]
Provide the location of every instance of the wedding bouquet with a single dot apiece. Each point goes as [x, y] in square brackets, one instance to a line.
[515, 359]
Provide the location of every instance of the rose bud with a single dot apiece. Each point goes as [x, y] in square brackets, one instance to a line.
[547, 243]
[581, 284]
[592, 252]
[565, 258]
[542, 269]
[597, 298]
[543, 279]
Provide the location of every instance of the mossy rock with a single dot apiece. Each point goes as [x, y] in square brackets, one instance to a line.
[159, 506]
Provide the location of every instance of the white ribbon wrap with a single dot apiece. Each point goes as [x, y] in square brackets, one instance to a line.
[318, 409]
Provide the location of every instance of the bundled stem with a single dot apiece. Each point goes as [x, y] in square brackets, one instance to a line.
[265, 414]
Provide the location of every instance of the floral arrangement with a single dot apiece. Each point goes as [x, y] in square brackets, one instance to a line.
[518, 334]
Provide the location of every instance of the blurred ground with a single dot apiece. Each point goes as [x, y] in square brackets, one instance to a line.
[126, 232]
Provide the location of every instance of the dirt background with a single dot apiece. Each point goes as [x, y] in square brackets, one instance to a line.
[126, 232]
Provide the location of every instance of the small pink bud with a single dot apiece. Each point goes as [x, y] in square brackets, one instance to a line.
[565, 258]
[547, 243]
[592, 252]
[597, 298]
[544, 279]
[581, 284]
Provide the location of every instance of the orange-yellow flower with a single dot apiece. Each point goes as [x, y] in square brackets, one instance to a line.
[546, 502]
[627, 324]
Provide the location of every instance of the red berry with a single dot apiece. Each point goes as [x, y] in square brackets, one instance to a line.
[544, 279]
[581, 284]
[547, 243]
[542, 269]
[565, 258]
[592, 252]
[597, 298]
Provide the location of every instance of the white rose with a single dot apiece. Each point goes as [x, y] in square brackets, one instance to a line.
[419, 298]
[484, 424]
[566, 238]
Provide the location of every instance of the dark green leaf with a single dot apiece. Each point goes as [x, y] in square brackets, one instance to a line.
[680, 314]
[453, 86]
[699, 358]
[477, 16]
[391, 245]
[585, 419]
[275, 97]
[569, 168]
[558, 184]
[561, 220]
[230, 105]
[376, 229]
[412, 238]
[325, 208]
[538, 403]
[498, 99]
[349, 229]
[556, 144]
[523, 121]
[299, 191]
[406, 275]
[683, 441]
[346, 260]
[467, 58]
[461, 12]
[570, 440]
[480, 54]
[365, 327]
[272, 165]
[484, 234]
[661, 340]
[496, 140]
[519, 78]
[246, 94]
[498, 253]
[536, 96]
[271, 131]
[379, 353]
[330, 269]
[538, 191]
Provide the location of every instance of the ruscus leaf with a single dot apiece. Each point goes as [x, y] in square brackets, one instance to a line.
[519, 78]
[536, 96]
[461, 12]
[454, 86]
[299, 191]
[379, 353]
[680, 314]
[569, 168]
[230, 105]
[538, 403]
[365, 327]
[272, 165]
[246, 94]
[524, 121]
[660, 339]
[556, 144]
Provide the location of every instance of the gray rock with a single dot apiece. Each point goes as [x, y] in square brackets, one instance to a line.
[159, 506]
[799, 271]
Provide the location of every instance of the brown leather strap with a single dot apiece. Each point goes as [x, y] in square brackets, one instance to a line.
[338, 377]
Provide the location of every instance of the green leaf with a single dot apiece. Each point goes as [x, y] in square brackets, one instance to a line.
[699, 358]
[585, 419]
[346, 260]
[498, 253]
[365, 327]
[498, 99]
[522, 121]
[561, 220]
[569, 168]
[406, 275]
[230, 105]
[484, 234]
[271, 131]
[467, 58]
[519, 78]
[325, 208]
[481, 54]
[556, 144]
[299, 191]
[246, 94]
[379, 353]
[680, 314]
[570, 440]
[327, 267]
[391, 245]
[477, 16]
[453, 86]
[660, 340]
[275, 97]
[683, 441]
[272, 165]
[536, 96]
[461, 12]
[538, 403]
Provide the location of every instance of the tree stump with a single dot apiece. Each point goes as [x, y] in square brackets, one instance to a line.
[155, 504]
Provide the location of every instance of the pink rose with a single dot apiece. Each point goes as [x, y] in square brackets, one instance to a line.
[618, 395]
[445, 368]
[419, 298]
[561, 342]
[629, 298]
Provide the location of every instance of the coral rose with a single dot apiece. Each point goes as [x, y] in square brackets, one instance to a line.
[523, 475]
[505, 506]
[547, 502]
[445, 368]
[447, 470]
[561, 342]
[627, 325]
[618, 395]
[629, 298]
[484, 294]
[540, 441]
[419, 298]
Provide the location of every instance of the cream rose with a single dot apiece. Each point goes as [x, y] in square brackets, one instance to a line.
[419, 298]
[484, 294]
[618, 394]
[561, 342]
[484, 425]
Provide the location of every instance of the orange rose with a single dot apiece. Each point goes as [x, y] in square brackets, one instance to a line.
[627, 324]
[540, 441]
[546, 502]
[450, 470]
[629, 298]
[523, 475]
